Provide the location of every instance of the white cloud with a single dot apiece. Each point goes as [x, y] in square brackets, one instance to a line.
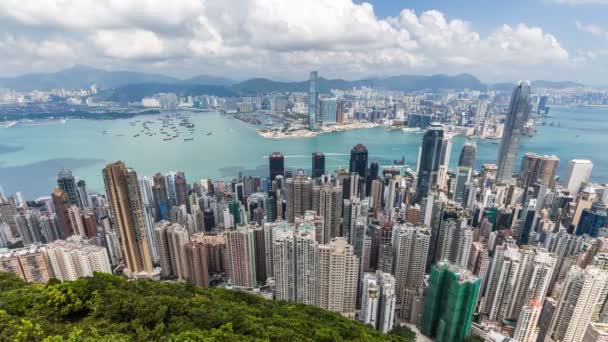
[581, 2]
[278, 38]
[593, 29]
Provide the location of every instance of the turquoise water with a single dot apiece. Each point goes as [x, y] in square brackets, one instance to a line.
[30, 156]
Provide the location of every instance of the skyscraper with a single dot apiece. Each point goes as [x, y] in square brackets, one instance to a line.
[450, 303]
[67, 183]
[592, 219]
[61, 202]
[329, 206]
[358, 160]
[579, 171]
[299, 197]
[328, 109]
[313, 100]
[429, 161]
[123, 193]
[318, 164]
[519, 109]
[338, 268]
[582, 298]
[537, 168]
[276, 164]
[378, 300]
[241, 256]
[468, 155]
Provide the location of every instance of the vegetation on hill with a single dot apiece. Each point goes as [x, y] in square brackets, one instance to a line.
[110, 308]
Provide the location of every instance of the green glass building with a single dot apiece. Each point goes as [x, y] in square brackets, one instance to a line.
[450, 303]
[234, 207]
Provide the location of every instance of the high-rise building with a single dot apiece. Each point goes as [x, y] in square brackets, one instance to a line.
[171, 238]
[295, 263]
[468, 155]
[340, 112]
[74, 259]
[67, 183]
[585, 200]
[241, 256]
[313, 100]
[450, 303]
[592, 220]
[30, 264]
[161, 197]
[596, 332]
[430, 161]
[124, 196]
[329, 206]
[378, 300]
[337, 267]
[536, 168]
[299, 197]
[519, 109]
[526, 329]
[318, 164]
[83, 195]
[358, 160]
[328, 109]
[579, 172]
[61, 202]
[276, 163]
[580, 303]
[181, 189]
[411, 244]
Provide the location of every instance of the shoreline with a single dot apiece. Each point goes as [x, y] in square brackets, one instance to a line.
[305, 133]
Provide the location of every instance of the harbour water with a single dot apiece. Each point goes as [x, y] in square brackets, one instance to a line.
[31, 155]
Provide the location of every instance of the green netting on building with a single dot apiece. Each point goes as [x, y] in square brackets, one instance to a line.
[450, 303]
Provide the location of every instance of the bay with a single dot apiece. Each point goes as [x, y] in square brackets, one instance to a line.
[31, 155]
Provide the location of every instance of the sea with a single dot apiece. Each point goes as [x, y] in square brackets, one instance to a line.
[222, 147]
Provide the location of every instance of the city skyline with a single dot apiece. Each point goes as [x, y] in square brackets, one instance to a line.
[546, 39]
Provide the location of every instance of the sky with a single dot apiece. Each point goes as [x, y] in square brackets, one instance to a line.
[494, 40]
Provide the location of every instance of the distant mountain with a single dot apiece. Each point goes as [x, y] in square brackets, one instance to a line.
[403, 83]
[135, 92]
[82, 77]
[555, 85]
[209, 80]
[507, 86]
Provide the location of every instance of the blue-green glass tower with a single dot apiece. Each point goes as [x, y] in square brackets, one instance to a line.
[450, 303]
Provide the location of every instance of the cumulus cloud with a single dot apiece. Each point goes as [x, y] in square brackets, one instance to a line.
[592, 29]
[242, 38]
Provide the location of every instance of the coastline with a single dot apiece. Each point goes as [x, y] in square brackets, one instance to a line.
[300, 133]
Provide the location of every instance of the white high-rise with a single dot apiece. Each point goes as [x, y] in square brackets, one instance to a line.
[378, 300]
[580, 303]
[73, 259]
[579, 171]
[526, 329]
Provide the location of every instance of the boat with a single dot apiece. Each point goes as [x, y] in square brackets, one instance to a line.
[190, 125]
[400, 162]
[136, 135]
[166, 139]
[188, 139]
[209, 133]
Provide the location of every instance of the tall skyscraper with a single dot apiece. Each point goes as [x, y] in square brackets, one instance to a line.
[241, 256]
[313, 100]
[329, 206]
[579, 172]
[61, 202]
[124, 196]
[358, 160]
[197, 257]
[429, 161]
[338, 268]
[519, 109]
[295, 263]
[450, 303]
[537, 168]
[468, 155]
[580, 303]
[171, 239]
[318, 164]
[276, 163]
[299, 197]
[67, 183]
[592, 219]
[378, 300]
[328, 109]
[181, 189]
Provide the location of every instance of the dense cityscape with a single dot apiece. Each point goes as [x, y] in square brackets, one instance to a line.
[505, 252]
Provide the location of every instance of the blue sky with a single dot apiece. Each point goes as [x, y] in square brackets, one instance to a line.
[284, 39]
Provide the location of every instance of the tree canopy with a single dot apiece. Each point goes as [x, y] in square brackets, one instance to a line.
[110, 308]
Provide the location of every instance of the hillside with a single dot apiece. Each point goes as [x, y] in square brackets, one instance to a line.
[109, 308]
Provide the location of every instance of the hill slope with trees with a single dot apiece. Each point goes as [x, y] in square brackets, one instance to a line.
[110, 308]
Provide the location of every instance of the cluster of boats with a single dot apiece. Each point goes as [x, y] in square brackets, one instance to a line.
[172, 126]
